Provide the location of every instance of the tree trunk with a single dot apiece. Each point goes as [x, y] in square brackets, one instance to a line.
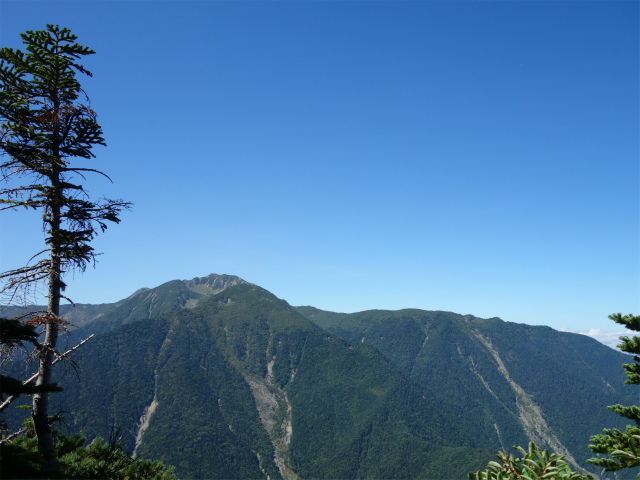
[40, 407]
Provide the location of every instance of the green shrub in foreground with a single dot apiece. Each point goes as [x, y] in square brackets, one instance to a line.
[100, 460]
[534, 464]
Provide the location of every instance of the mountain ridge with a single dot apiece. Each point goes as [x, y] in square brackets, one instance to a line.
[493, 360]
[245, 382]
[316, 398]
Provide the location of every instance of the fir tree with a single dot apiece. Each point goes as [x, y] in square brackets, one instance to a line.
[45, 126]
[623, 448]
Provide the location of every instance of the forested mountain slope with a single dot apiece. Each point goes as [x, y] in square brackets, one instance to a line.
[512, 382]
[224, 380]
[243, 386]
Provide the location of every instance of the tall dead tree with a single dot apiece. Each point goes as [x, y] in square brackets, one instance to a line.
[46, 124]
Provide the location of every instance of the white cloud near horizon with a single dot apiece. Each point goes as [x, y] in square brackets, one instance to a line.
[610, 339]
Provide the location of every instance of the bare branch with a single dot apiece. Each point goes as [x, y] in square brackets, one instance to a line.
[68, 300]
[25, 270]
[12, 436]
[10, 399]
[78, 170]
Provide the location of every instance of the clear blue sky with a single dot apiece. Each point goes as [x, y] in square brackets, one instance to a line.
[477, 157]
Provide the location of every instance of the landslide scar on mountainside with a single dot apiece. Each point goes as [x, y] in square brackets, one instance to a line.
[530, 414]
[275, 413]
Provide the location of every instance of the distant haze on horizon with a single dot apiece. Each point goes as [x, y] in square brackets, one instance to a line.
[474, 157]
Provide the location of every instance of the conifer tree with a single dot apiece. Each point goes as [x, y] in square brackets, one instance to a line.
[46, 123]
[623, 448]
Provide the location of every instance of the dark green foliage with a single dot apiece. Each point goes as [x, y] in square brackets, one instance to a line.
[102, 459]
[199, 396]
[13, 336]
[535, 464]
[206, 422]
[21, 459]
[623, 447]
[456, 459]
[435, 350]
[353, 414]
[10, 386]
[98, 460]
[356, 417]
[117, 379]
[570, 377]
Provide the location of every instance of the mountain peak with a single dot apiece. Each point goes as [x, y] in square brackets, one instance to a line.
[212, 284]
